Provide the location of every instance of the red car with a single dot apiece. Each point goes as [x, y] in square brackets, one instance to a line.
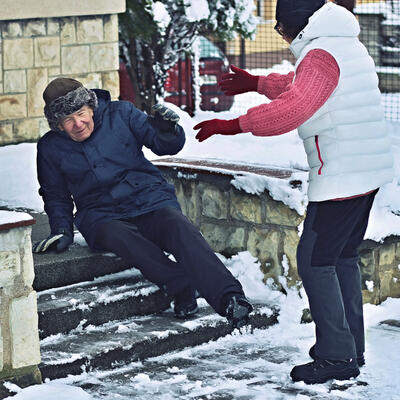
[179, 83]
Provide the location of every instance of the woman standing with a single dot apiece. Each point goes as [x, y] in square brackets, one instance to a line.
[333, 99]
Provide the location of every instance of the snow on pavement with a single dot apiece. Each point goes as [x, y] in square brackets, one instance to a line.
[48, 391]
[251, 366]
[245, 366]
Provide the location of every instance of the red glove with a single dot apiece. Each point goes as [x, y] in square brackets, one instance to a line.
[238, 82]
[217, 127]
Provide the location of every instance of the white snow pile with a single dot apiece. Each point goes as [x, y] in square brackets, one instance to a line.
[10, 217]
[196, 10]
[279, 189]
[246, 269]
[48, 391]
[161, 15]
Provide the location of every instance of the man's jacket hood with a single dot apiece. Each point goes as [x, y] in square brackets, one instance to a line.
[104, 99]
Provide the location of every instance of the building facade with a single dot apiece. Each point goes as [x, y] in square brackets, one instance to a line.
[40, 41]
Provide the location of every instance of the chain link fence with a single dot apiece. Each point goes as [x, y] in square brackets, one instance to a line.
[268, 52]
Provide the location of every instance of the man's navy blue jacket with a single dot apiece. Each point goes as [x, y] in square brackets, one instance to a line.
[107, 175]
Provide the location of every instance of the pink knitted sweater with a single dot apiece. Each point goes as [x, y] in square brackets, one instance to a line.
[293, 102]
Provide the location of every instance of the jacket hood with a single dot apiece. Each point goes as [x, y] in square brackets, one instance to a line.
[330, 20]
[104, 98]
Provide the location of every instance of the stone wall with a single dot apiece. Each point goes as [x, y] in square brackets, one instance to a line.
[380, 266]
[232, 220]
[19, 336]
[34, 51]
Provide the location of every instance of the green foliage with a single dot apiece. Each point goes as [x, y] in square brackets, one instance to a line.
[138, 20]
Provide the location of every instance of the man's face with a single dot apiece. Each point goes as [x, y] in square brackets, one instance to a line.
[79, 125]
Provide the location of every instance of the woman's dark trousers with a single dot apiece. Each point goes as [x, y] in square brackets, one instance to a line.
[327, 260]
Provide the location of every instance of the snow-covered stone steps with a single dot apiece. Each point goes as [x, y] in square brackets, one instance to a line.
[116, 296]
[95, 312]
[75, 265]
[115, 343]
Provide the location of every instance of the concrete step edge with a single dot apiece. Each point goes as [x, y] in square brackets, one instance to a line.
[57, 272]
[65, 319]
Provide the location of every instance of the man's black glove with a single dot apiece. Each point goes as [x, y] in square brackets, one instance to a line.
[58, 242]
[164, 119]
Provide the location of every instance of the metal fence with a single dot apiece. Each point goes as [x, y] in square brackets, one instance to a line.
[380, 32]
[268, 52]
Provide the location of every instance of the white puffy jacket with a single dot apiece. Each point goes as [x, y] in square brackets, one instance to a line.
[347, 146]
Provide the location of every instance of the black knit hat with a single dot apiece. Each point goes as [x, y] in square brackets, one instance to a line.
[64, 96]
[295, 13]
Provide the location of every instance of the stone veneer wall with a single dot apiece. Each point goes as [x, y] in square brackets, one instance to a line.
[232, 220]
[19, 335]
[34, 51]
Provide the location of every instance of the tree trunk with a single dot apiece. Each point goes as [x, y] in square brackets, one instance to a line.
[142, 74]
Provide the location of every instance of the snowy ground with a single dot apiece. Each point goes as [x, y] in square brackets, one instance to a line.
[243, 366]
[256, 366]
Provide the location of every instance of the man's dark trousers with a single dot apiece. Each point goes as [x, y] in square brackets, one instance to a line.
[142, 240]
[327, 260]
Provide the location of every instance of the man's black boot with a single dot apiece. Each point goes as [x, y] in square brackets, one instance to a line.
[185, 303]
[360, 359]
[238, 310]
[320, 371]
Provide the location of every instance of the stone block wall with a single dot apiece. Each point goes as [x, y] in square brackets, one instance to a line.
[232, 221]
[380, 266]
[19, 335]
[35, 51]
